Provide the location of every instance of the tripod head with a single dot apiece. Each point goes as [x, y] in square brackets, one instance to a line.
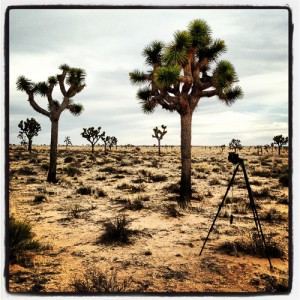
[234, 158]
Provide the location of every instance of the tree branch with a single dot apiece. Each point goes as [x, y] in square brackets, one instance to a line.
[35, 106]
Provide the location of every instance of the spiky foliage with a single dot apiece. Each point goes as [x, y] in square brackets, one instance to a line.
[29, 128]
[71, 81]
[235, 145]
[68, 142]
[159, 134]
[111, 141]
[279, 140]
[180, 74]
[93, 135]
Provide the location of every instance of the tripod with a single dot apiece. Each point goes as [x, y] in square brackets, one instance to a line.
[240, 162]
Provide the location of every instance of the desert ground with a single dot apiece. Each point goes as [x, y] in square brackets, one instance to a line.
[161, 253]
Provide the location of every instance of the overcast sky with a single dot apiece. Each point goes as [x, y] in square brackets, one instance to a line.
[108, 45]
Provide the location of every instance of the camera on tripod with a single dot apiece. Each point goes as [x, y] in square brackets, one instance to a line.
[234, 158]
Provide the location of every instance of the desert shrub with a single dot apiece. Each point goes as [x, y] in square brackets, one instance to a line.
[172, 211]
[26, 171]
[39, 198]
[109, 169]
[284, 180]
[158, 177]
[68, 159]
[261, 172]
[75, 211]
[253, 245]
[116, 231]
[84, 190]
[101, 178]
[34, 160]
[136, 204]
[20, 240]
[203, 168]
[173, 188]
[71, 170]
[45, 166]
[272, 215]
[263, 193]
[101, 193]
[132, 188]
[214, 181]
[95, 281]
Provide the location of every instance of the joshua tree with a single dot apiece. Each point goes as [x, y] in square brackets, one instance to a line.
[235, 145]
[280, 141]
[223, 147]
[74, 78]
[267, 147]
[259, 148]
[179, 75]
[23, 138]
[159, 134]
[30, 128]
[112, 141]
[68, 142]
[92, 135]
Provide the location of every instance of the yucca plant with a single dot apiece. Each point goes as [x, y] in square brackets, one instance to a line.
[279, 140]
[235, 145]
[159, 134]
[29, 128]
[93, 135]
[74, 78]
[68, 142]
[179, 75]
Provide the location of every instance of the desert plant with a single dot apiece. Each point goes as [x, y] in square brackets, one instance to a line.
[179, 77]
[71, 170]
[235, 145]
[116, 231]
[284, 179]
[159, 134]
[26, 171]
[23, 138]
[280, 141]
[68, 159]
[74, 78]
[93, 135]
[67, 141]
[30, 128]
[84, 190]
[39, 198]
[112, 141]
[223, 147]
[95, 281]
[20, 240]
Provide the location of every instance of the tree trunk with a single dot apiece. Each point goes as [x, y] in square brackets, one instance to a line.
[93, 148]
[53, 152]
[186, 143]
[158, 147]
[29, 145]
[279, 149]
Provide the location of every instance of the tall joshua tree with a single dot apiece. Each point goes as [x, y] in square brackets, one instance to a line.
[179, 75]
[93, 135]
[280, 141]
[159, 134]
[29, 128]
[74, 78]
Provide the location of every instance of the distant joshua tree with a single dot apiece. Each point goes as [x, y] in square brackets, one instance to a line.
[222, 147]
[259, 148]
[159, 134]
[68, 142]
[235, 145]
[23, 138]
[267, 147]
[75, 79]
[29, 128]
[93, 135]
[280, 141]
[112, 141]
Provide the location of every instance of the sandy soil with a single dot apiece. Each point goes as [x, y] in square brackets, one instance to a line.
[163, 255]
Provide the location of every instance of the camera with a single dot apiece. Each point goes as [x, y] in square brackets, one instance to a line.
[234, 158]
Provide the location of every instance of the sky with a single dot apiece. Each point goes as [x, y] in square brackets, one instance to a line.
[108, 44]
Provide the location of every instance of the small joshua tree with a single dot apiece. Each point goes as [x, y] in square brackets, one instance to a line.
[159, 134]
[280, 141]
[112, 141]
[68, 142]
[29, 128]
[23, 138]
[235, 145]
[75, 79]
[93, 135]
[259, 148]
[223, 147]
[267, 147]
[105, 140]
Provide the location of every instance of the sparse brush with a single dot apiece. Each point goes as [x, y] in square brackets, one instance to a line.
[84, 190]
[101, 193]
[263, 193]
[172, 211]
[173, 188]
[214, 181]
[68, 159]
[136, 204]
[27, 171]
[101, 178]
[20, 240]
[116, 231]
[71, 170]
[96, 281]
[158, 177]
[272, 215]
[39, 199]
[284, 180]
[45, 166]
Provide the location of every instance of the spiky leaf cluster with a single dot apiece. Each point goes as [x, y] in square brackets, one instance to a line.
[159, 134]
[179, 74]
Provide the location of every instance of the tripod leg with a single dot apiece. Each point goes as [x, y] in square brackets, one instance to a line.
[219, 209]
[254, 210]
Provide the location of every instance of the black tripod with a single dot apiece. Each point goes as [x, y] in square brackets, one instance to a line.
[234, 158]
